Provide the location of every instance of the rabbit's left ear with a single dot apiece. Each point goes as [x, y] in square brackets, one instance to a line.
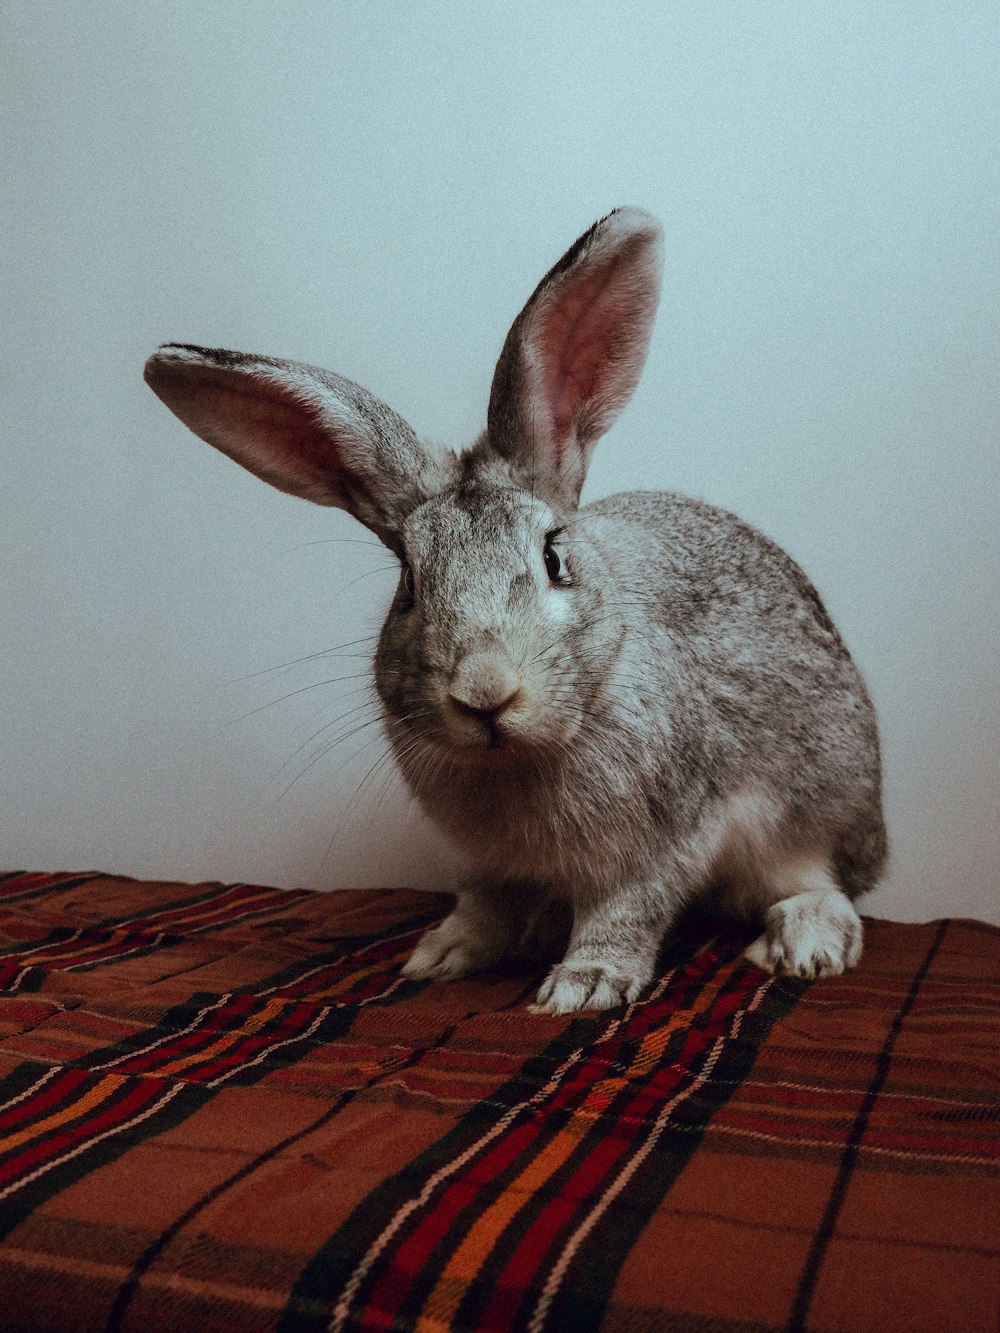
[304, 430]
[575, 353]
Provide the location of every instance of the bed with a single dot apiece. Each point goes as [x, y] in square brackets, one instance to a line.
[222, 1107]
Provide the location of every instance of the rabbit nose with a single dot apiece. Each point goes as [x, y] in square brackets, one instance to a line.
[483, 688]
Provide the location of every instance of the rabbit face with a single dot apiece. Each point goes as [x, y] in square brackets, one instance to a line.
[480, 655]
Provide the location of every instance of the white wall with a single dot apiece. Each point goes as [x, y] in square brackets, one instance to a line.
[377, 187]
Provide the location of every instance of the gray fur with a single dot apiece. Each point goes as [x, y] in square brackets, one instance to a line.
[674, 719]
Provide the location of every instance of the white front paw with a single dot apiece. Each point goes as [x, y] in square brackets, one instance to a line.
[451, 950]
[572, 986]
[817, 934]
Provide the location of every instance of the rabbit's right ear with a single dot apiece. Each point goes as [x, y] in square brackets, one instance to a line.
[575, 354]
[304, 430]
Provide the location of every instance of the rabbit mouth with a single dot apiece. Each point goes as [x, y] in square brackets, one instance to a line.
[470, 737]
[492, 742]
[470, 744]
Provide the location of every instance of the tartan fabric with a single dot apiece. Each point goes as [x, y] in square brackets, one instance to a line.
[221, 1106]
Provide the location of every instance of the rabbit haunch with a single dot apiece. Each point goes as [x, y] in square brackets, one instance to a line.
[613, 710]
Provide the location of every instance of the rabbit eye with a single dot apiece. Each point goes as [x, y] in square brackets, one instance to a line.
[553, 564]
[406, 580]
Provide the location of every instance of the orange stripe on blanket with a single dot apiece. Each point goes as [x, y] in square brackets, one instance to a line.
[253, 1024]
[442, 1305]
[330, 991]
[145, 932]
[107, 1087]
[59, 953]
[174, 921]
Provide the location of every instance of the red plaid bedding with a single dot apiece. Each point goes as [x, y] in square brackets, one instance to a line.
[222, 1107]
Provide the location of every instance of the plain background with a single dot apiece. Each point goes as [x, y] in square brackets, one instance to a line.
[377, 187]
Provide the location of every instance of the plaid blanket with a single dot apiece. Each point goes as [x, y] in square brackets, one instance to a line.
[222, 1107]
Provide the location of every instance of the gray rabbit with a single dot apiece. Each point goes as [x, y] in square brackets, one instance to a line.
[614, 711]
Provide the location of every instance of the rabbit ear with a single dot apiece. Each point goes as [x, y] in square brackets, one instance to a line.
[304, 430]
[575, 353]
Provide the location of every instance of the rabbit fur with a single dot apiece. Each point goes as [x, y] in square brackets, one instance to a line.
[615, 710]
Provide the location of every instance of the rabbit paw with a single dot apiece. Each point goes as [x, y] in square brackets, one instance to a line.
[451, 950]
[586, 985]
[809, 935]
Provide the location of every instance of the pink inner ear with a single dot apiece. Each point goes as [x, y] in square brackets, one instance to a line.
[266, 427]
[280, 430]
[575, 346]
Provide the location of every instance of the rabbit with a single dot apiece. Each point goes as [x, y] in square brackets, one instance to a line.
[615, 711]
